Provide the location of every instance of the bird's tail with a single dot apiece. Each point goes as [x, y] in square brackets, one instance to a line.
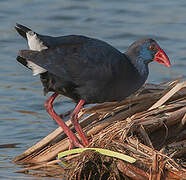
[22, 61]
[22, 30]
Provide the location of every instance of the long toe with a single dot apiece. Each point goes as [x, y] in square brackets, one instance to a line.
[75, 144]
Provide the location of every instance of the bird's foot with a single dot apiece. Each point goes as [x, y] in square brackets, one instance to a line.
[74, 118]
[74, 141]
[75, 144]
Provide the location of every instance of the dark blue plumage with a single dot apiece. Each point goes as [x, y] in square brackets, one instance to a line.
[88, 69]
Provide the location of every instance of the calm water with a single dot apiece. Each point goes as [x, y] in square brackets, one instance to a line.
[23, 119]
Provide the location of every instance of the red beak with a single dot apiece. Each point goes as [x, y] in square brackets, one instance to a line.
[162, 58]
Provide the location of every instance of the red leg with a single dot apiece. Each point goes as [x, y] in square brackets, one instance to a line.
[72, 137]
[74, 119]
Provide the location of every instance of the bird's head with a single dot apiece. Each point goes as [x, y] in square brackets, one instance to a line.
[148, 50]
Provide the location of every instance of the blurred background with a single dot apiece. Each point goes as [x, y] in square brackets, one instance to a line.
[23, 120]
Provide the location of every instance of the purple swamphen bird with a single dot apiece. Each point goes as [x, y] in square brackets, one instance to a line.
[86, 70]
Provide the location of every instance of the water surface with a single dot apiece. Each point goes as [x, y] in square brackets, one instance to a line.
[23, 119]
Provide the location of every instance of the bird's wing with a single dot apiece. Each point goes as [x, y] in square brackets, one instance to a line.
[78, 59]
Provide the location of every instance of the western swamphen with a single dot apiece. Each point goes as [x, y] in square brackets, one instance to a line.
[86, 70]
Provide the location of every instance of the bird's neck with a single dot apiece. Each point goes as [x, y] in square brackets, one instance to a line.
[139, 64]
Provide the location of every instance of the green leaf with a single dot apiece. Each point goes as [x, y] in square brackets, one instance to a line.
[101, 151]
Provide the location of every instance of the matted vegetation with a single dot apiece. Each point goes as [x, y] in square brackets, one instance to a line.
[148, 126]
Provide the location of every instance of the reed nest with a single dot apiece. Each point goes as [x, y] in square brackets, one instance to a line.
[148, 126]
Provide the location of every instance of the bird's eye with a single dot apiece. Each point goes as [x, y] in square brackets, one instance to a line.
[152, 48]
